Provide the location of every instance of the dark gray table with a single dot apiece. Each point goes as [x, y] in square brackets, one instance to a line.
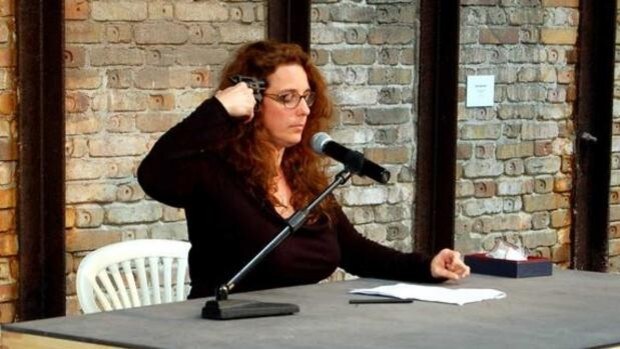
[567, 310]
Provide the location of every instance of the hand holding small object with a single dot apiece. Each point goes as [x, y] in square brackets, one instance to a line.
[238, 100]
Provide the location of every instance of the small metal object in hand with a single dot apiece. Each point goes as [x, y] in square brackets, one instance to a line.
[257, 85]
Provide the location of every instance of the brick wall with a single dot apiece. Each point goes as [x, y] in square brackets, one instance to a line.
[514, 159]
[8, 164]
[367, 52]
[614, 198]
[133, 70]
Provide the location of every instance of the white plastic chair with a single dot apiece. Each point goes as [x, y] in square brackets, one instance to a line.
[101, 286]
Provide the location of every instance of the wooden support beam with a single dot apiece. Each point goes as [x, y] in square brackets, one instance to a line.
[437, 125]
[41, 187]
[593, 123]
[289, 21]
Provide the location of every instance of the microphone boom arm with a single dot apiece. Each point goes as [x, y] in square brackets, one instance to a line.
[293, 224]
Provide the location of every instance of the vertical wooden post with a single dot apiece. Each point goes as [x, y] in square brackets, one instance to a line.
[593, 122]
[289, 21]
[41, 188]
[437, 125]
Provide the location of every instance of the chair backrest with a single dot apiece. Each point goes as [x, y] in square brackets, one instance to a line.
[127, 274]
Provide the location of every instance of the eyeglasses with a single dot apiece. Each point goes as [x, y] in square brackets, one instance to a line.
[291, 99]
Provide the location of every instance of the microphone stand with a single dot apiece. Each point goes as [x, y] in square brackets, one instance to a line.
[222, 308]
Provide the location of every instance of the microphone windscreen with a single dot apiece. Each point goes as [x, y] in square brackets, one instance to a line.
[318, 141]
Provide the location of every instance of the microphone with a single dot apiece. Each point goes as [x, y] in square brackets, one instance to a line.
[353, 160]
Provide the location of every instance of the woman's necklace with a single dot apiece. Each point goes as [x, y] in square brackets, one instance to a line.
[283, 194]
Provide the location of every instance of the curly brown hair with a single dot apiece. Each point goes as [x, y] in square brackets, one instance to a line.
[250, 152]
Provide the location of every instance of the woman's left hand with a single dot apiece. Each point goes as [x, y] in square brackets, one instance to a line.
[448, 264]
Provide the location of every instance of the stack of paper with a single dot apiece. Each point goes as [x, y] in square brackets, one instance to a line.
[433, 293]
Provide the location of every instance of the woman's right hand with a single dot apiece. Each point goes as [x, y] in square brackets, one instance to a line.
[238, 100]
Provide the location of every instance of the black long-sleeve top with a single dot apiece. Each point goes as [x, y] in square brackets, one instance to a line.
[227, 225]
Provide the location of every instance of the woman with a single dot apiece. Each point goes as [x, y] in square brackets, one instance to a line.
[240, 169]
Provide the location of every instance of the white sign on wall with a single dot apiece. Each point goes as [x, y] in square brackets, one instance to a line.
[480, 90]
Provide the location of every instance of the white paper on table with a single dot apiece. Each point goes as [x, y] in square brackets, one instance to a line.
[458, 296]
